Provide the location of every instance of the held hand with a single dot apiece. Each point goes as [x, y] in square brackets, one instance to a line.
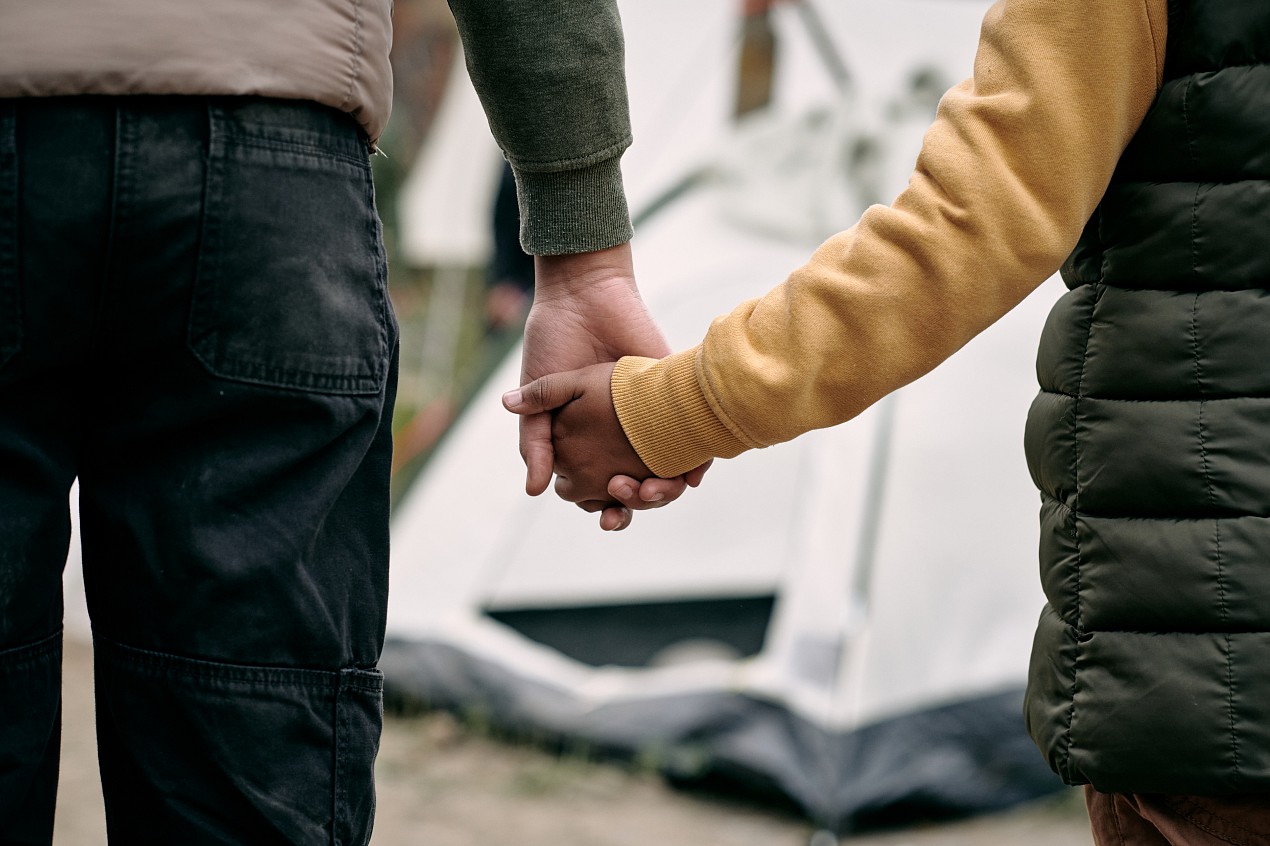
[587, 310]
[590, 447]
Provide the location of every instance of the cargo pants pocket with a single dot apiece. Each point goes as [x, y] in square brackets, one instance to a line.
[291, 288]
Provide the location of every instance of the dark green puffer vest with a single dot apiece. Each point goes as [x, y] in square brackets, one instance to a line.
[1150, 441]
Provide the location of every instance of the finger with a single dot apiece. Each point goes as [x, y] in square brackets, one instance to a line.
[536, 450]
[650, 493]
[564, 489]
[693, 477]
[542, 394]
[657, 492]
[625, 490]
[615, 518]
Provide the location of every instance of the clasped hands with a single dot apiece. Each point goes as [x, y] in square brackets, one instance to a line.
[587, 313]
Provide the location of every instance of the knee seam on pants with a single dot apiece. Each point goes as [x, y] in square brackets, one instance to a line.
[161, 664]
[31, 653]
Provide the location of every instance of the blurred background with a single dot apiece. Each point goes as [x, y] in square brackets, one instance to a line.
[821, 643]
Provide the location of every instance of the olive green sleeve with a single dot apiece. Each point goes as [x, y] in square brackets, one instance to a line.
[551, 76]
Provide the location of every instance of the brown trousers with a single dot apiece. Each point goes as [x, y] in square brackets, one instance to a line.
[1139, 819]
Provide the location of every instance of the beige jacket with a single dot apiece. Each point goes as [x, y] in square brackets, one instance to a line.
[331, 51]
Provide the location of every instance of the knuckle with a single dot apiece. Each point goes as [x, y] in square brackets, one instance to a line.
[565, 489]
[540, 392]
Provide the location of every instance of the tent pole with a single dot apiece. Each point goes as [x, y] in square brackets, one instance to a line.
[870, 525]
[829, 52]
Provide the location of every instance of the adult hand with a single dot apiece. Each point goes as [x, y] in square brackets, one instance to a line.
[587, 310]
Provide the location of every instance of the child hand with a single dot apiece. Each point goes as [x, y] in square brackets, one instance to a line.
[590, 446]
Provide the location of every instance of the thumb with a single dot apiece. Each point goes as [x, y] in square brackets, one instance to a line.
[536, 450]
[694, 477]
[543, 394]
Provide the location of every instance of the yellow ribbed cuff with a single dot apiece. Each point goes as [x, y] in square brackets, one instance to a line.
[666, 416]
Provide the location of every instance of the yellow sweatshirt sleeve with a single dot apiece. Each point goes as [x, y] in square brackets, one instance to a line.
[1016, 161]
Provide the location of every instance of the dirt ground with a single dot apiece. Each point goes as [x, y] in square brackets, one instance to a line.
[442, 785]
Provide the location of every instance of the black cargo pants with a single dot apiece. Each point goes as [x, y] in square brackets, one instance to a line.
[194, 322]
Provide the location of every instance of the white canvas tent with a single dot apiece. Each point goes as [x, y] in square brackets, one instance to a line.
[844, 620]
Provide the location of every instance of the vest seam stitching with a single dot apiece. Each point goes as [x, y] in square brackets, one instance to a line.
[1046, 496]
[1141, 632]
[1170, 633]
[1214, 69]
[1221, 587]
[1203, 450]
[1190, 149]
[1230, 701]
[1151, 183]
[1206, 401]
[1080, 381]
[1186, 118]
[1163, 289]
[1195, 232]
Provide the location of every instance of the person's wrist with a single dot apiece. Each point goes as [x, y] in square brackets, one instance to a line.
[570, 274]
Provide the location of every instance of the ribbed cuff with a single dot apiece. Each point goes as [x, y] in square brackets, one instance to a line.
[666, 416]
[572, 211]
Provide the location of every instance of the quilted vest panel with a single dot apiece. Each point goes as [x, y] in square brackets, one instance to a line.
[1150, 441]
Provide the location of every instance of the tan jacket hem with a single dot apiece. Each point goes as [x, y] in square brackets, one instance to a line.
[334, 52]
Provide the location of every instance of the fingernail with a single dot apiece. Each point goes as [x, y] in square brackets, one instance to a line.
[657, 497]
[625, 492]
[512, 399]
